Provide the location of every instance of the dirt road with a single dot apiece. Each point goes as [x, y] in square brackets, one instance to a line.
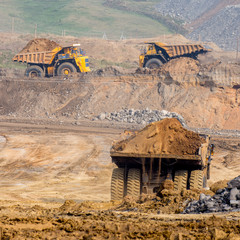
[43, 163]
[47, 165]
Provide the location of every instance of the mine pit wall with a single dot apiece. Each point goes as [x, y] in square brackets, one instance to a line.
[204, 101]
[224, 77]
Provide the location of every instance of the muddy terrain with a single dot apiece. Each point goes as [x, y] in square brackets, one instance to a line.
[56, 135]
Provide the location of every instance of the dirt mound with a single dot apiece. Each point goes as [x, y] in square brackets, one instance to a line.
[39, 45]
[182, 66]
[166, 202]
[219, 185]
[182, 70]
[163, 137]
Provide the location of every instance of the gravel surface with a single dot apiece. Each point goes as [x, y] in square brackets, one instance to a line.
[223, 28]
[213, 21]
[186, 10]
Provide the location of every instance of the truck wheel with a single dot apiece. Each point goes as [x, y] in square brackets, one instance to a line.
[180, 180]
[153, 63]
[34, 72]
[196, 179]
[134, 182]
[65, 69]
[117, 184]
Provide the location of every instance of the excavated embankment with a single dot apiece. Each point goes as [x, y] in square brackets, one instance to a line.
[86, 97]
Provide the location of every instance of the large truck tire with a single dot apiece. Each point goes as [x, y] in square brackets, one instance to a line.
[180, 180]
[34, 71]
[153, 63]
[117, 184]
[65, 69]
[196, 179]
[134, 182]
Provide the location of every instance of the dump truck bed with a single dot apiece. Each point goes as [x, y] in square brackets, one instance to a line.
[179, 50]
[169, 156]
[36, 57]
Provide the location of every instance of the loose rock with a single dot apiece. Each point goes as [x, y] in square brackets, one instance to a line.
[227, 199]
[143, 117]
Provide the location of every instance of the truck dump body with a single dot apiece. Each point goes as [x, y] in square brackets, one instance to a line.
[36, 57]
[162, 150]
[158, 53]
[180, 50]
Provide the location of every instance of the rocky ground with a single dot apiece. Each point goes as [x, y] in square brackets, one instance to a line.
[56, 134]
[208, 21]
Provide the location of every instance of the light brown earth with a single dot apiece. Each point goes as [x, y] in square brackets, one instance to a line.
[55, 166]
[42, 166]
[39, 45]
[163, 137]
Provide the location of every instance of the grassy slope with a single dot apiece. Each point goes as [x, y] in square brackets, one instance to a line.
[79, 18]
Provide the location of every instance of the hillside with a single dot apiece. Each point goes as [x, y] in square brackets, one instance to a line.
[89, 18]
[222, 28]
[216, 21]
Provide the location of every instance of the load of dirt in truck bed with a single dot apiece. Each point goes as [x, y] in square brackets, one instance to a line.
[164, 137]
[39, 45]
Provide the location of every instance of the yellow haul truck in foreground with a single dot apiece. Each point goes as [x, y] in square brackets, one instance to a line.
[161, 151]
[61, 61]
[157, 53]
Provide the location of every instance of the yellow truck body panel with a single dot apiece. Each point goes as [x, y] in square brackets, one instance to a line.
[37, 57]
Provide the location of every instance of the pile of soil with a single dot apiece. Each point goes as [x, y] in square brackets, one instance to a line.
[39, 45]
[180, 66]
[167, 201]
[164, 137]
[183, 66]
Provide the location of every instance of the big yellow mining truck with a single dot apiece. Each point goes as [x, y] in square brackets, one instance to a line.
[61, 61]
[161, 151]
[157, 53]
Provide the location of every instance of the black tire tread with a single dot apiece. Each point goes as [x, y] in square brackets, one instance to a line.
[134, 182]
[196, 179]
[34, 67]
[153, 61]
[117, 184]
[66, 65]
[180, 180]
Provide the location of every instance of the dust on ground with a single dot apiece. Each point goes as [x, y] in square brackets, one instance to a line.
[164, 137]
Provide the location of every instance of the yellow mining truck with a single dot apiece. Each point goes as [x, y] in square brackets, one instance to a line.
[157, 53]
[161, 151]
[61, 61]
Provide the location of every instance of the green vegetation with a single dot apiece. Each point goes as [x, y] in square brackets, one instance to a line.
[147, 8]
[89, 18]
[6, 60]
